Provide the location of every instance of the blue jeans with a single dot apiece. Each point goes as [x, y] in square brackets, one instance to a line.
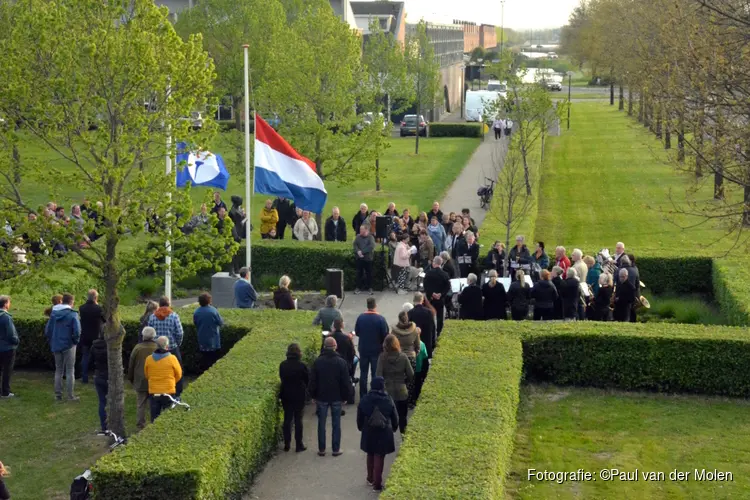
[335, 423]
[102, 388]
[85, 358]
[366, 362]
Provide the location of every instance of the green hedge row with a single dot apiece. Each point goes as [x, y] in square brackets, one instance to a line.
[212, 451]
[460, 437]
[676, 275]
[731, 280]
[455, 130]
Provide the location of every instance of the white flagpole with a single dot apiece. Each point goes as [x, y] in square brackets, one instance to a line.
[248, 194]
[168, 260]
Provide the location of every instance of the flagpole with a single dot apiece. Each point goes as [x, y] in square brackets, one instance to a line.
[248, 194]
[168, 259]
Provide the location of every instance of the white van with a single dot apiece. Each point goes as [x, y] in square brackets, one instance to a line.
[496, 86]
[476, 100]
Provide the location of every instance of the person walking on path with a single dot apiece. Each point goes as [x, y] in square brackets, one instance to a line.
[92, 325]
[364, 254]
[345, 348]
[101, 377]
[395, 368]
[423, 366]
[407, 333]
[329, 387]
[163, 372]
[136, 374]
[63, 332]
[208, 325]
[377, 419]
[8, 344]
[294, 379]
[167, 324]
[245, 295]
[371, 328]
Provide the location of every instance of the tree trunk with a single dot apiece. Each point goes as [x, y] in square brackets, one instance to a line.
[611, 91]
[699, 149]
[718, 179]
[621, 105]
[114, 334]
[16, 164]
[640, 106]
[667, 131]
[658, 130]
[416, 142]
[630, 101]
[543, 134]
[746, 212]
[681, 138]
[526, 171]
[377, 174]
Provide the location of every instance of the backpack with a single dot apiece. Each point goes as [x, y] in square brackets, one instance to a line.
[81, 487]
[377, 420]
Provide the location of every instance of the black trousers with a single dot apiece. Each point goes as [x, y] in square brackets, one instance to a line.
[439, 306]
[519, 314]
[280, 228]
[158, 404]
[419, 379]
[402, 408]
[292, 414]
[498, 133]
[364, 274]
[7, 359]
[208, 358]
[544, 313]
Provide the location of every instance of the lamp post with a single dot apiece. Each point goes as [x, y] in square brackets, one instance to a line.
[570, 76]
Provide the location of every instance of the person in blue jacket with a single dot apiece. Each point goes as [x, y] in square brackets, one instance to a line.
[63, 332]
[8, 345]
[208, 323]
[244, 293]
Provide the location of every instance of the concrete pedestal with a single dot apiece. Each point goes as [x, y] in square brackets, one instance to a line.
[222, 290]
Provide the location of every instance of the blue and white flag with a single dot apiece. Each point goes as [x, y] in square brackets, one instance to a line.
[201, 168]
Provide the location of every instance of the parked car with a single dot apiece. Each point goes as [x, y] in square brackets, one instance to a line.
[368, 118]
[409, 126]
[554, 86]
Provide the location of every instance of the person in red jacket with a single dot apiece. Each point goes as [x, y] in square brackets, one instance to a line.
[562, 260]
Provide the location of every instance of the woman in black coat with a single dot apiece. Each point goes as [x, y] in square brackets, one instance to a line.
[377, 429]
[519, 296]
[600, 310]
[282, 297]
[470, 300]
[545, 297]
[495, 300]
[98, 362]
[294, 379]
[496, 259]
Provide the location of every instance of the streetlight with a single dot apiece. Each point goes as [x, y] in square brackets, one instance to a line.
[570, 76]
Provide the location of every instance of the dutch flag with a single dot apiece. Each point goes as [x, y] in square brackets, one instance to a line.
[281, 171]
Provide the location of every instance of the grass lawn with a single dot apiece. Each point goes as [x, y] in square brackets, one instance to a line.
[46, 444]
[566, 429]
[608, 180]
[409, 180]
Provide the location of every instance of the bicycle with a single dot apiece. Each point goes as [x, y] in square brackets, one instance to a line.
[82, 487]
[485, 193]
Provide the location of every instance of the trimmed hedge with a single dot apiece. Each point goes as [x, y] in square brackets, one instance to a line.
[731, 280]
[212, 451]
[34, 351]
[461, 435]
[676, 275]
[455, 130]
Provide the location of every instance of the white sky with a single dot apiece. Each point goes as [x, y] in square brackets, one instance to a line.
[519, 14]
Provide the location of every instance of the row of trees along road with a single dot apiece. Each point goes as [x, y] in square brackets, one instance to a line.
[104, 86]
[686, 67]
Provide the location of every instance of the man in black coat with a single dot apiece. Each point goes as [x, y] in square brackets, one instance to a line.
[330, 384]
[624, 297]
[557, 280]
[345, 348]
[92, 322]
[470, 300]
[294, 379]
[570, 295]
[359, 218]
[437, 285]
[335, 229]
[287, 214]
[467, 256]
[423, 319]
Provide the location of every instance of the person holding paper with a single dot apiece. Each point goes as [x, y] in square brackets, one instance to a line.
[495, 300]
[467, 255]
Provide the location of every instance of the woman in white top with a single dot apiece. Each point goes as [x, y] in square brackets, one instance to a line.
[306, 228]
[400, 271]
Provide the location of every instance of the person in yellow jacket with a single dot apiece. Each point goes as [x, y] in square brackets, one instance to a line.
[269, 216]
[162, 370]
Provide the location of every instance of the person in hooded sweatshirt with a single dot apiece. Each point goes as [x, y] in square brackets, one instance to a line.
[167, 324]
[63, 332]
[395, 368]
[101, 376]
[408, 334]
[294, 379]
[163, 372]
[377, 419]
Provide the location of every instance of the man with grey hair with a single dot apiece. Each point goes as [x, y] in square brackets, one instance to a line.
[335, 227]
[92, 324]
[619, 253]
[245, 295]
[624, 297]
[330, 384]
[470, 300]
[360, 218]
[141, 351]
[437, 286]
[327, 314]
[570, 295]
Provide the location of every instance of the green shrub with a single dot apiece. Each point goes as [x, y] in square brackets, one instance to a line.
[731, 282]
[455, 130]
[461, 435]
[675, 275]
[212, 451]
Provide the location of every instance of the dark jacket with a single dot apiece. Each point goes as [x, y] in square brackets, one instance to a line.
[215, 208]
[495, 301]
[371, 328]
[208, 323]
[329, 379]
[436, 280]
[495, 260]
[624, 300]
[451, 269]
[634, 278]
[602, 300]
[366, 245]
[432, 214]
[396, 369]
[335, 232]
[374, 440]
[244, 294]
[286, 209]
[135, 365]
[558, 282]
[422, 317]
[294, 379]
[467, 258]
[521, 257]
[544, 294]
[542, 261]
[63, 329]
[282, 299]
[358, 219]
[570, 295]
[8, 336]
[345, 347]
[471, 303]
[519, 296]
[99, 359]
[92, 322]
